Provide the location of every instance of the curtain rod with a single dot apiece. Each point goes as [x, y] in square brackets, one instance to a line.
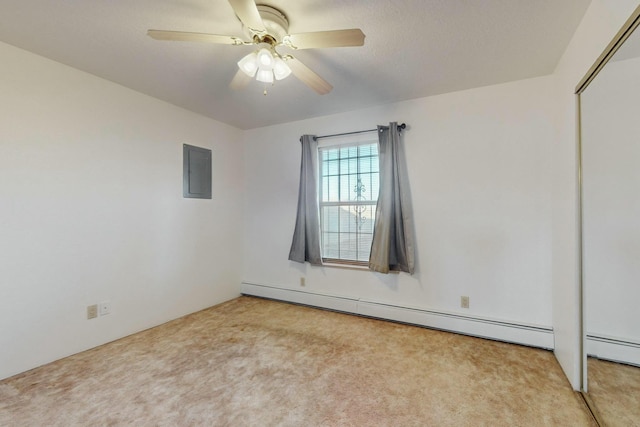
[400, 127]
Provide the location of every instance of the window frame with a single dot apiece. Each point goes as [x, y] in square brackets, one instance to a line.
[339, 143]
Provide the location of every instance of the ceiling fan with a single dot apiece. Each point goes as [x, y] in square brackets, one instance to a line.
[268, 29]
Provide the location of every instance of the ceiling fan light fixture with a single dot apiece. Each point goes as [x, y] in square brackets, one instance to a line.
[265, 76]
[265, 59]
[267, 28]
[249, 64]
[280, 69]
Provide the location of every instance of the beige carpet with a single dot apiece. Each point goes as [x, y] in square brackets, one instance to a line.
[614, 388]
[254, 362]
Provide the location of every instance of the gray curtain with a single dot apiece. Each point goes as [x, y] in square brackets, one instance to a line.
[393, 247]
[306, 236]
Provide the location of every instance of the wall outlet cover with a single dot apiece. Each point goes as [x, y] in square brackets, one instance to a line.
[92, 311]
[105, 308]
[464, 302]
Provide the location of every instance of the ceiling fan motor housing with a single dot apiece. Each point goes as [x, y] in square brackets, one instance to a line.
[275, 22]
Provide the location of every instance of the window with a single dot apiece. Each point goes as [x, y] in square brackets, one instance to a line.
[349, 183]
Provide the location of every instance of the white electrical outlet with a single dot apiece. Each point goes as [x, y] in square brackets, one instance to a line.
[303, 281]
[105, 308]
[464, 302]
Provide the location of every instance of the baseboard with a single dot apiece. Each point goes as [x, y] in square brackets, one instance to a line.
[530, 335]
[613, 349]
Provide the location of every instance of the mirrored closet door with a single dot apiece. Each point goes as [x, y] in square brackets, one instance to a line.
[610, 200]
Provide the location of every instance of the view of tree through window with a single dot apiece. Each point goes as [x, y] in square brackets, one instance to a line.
[349, 184]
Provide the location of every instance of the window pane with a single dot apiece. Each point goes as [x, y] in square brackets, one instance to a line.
[344, 166]
[348, 246]
[364, 165]
[324, 195]
[330, 219]
[347, 152]
[345, 188]
[349, 176]
[344, 219]
[333, 189]
[332, 167]
[368, 219]
[331, 154]
[331, 247]
[368, 150]
[364, 187]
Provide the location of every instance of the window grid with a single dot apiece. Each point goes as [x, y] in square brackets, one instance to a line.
[349, 186]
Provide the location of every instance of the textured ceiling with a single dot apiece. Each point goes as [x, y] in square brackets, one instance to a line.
[413, 48]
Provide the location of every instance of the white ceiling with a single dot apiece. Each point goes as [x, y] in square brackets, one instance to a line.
[413, 48]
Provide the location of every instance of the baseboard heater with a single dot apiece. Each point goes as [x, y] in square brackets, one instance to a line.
[530, 335]
[614, 349]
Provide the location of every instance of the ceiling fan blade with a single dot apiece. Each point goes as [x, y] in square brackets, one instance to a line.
[336, 38]
[182, 36]
[308, 77]
[240, 80]
[248, 14]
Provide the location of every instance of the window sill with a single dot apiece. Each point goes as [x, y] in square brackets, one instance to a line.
[351, 266]
[345, 266]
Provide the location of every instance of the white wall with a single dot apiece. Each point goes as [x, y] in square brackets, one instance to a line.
[480, 168]
[611, 179]
[91, 209]
[601, 22]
